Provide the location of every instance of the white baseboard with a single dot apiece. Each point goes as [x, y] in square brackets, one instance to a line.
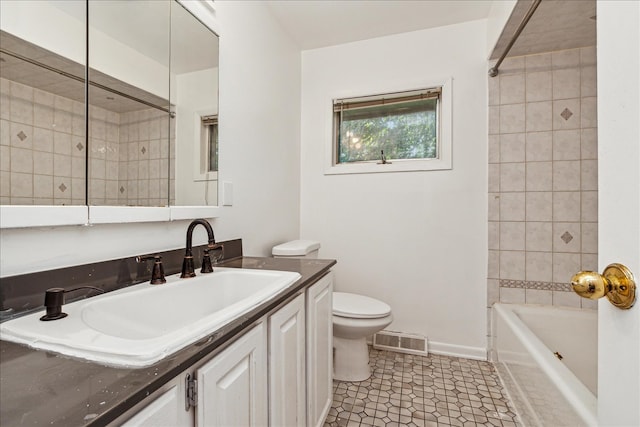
[445, 349]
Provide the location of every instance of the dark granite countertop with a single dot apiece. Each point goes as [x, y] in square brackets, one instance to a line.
[42, 388]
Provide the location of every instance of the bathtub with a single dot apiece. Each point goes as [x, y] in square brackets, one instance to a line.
[547, 360]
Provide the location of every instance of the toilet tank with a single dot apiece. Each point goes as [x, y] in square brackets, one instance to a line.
[297, 249]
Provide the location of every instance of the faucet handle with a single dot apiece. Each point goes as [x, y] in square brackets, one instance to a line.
[157, 274]
[206, 263]
[217, 247]
[206, 258]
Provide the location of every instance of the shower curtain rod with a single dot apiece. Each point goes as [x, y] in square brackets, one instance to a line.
[493, 71]
[82, 80]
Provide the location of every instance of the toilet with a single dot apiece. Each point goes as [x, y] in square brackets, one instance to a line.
[355, 317]
[297, 249]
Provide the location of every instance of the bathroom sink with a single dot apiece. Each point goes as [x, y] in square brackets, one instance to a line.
[140, 325]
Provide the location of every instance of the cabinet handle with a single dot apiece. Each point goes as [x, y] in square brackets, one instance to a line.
[191, 392]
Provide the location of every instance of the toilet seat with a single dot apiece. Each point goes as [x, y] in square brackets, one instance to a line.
[358, 306]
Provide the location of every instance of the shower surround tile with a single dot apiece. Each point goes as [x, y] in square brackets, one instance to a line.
[566, 206]
[512, 147]
[539, 266]
[566, 83]
[538, 116]
[512, 265]
[536, 296]
[589, 144]
[538, 86]
[512, 177]
[512, 89]
[566, 114]
[512, 295]
[566, 144]
[539, 206]
[589, 208]
[512, 118]
[549, 169]
[539, 176]
[539, 146]
[512, 206]
[408, 390]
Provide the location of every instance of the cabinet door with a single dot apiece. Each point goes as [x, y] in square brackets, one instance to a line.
[287, 391]
[166, 410]
[232, 387]
[319, 350]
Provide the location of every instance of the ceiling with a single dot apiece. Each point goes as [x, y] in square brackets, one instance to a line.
[315, 24]
[556, 24]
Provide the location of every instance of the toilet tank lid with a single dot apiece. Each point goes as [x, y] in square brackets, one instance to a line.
[296, 248]
[358, 306]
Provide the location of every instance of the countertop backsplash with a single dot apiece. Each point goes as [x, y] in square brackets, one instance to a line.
[24, 293]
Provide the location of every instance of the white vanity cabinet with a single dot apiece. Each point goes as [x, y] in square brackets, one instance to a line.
[168, 409]
[319, 350]
[232, 387]
[287, 358]
[301, 358]
[231, 390]
[279, 373]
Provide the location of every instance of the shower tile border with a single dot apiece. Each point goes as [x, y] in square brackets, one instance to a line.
[543, 286]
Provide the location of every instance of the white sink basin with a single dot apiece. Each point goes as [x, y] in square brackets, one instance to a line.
[140, 325]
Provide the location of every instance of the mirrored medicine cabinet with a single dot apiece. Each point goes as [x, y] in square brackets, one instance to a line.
[109, 111]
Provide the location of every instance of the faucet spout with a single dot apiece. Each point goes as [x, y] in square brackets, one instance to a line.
[187, 263]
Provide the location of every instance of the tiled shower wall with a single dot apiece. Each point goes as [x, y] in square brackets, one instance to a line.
[42, 157]
[542, 177]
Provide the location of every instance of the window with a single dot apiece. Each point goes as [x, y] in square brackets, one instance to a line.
[209, 161]
[399, 131]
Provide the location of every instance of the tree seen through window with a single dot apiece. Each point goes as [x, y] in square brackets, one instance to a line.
[405, 130]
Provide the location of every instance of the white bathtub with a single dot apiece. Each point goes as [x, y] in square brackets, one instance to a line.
[545, 390]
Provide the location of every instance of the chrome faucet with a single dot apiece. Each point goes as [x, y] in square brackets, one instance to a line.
[187, 263]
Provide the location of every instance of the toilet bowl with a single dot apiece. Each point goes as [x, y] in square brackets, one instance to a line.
[355, 317]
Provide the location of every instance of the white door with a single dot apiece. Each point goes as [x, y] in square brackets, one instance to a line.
[319, 351]
[287, 392]
[232, 387]
[619, 206]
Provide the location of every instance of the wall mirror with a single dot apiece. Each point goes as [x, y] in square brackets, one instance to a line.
[152, 111]
[42, 73]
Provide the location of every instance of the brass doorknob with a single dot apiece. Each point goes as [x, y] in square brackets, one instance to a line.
[616, 282]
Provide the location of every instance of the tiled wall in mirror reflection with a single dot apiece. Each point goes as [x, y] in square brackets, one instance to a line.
[543, 177]
[43, 152]
[42, 147]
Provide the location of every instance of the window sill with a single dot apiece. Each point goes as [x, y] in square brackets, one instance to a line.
[394, 166]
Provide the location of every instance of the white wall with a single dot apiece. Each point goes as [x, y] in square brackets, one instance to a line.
[416, 240]
[196, 93]
[259, 134]
[619, 206]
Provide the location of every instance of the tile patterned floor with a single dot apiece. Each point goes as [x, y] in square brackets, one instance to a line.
[408, 390]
